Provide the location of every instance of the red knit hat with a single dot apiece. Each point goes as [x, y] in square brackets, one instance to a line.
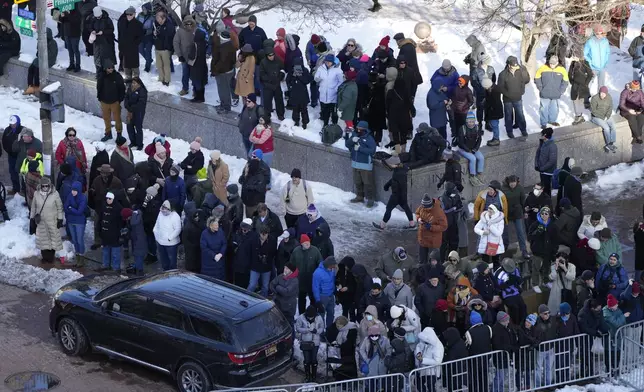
[351, 75]
[315, 39]
[281, 32]
[611, 301]
[126, 213]
[384, 41]
[304, 238]
[31, 153]
[441, 305]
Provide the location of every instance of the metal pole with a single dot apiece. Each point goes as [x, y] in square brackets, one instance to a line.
[43, 68]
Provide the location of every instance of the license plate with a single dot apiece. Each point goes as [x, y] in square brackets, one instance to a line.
[271, 350]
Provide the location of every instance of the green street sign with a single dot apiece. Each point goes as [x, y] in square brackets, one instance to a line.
[62, 5]
[25, 26]
[22, 22]
[26, 32]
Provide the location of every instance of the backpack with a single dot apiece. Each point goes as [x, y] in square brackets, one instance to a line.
[288, 189]
[331, 134]
[555, 178]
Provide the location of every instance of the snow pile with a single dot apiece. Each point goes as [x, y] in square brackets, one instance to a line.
[596, 388]
[616, 180]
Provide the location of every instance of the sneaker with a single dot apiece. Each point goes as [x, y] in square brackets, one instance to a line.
[527, 256]
[480, 179]
[612, 147]
[578, 120]
[493, 142]
[357, 199]
[235, 102]
[510, 135]
[473, 180]
[606, 148]
[183, 92]
[555, 124]
[537, 289]
[106, 137]
[70, 68]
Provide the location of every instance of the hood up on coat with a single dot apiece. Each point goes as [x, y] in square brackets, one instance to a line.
[477, 300]
[372, 310]
[428, 336]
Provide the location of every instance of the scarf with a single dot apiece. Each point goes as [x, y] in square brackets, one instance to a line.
[124, 151]
[71, 148]
[375, 348]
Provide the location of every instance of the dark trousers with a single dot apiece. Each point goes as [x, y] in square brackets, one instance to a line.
[516, 308]
[443, 131]
[291, 220]
[459, 120]
[364, 182]
[15, 178]
[546, 182]
[635, 122]
[349, 311]
[135, 129]
[391, 204]
[33, 74]
[145, 49]
[315, 93]
[301, 110]
[328, 110]
[242, 279]
[73, 49]
[89, 47]
[301, 301]
[271, 94]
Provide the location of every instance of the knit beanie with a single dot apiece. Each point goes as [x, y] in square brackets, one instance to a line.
[611, 301]
[502, 317]
[564, 308]
[543, 308]
[196, 144]
[427, 201]
[532, 319]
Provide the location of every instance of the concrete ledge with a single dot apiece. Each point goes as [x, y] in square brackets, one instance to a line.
[179, 118]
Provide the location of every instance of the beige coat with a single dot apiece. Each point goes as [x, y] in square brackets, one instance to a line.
[47, 234]
[219, 179]
[246, 77]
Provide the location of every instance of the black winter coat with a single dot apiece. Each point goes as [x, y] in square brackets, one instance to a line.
[272, 221]
[9, 136]
[558, 47]
[235, 212]
[110, 87]
[110, 224]
[545, 331]
[408, 52]
[505, 339]
[566, 329]
[584, 293]
[136, 101]
[98, 190]
[150, 213]
[381, 302]
[130, 36]
[493, 104]
[71, 21]
[453, 173]
[345, 278]
[284, 251]
[531, 202]
[9, 41]
[481, 339]
[426, 297]
[516, 199]
[398, 185]
[572, 190]
[591, 323]
[512, 86]
[191, 236]
[156, 171]
[101, 158]
[638, 235]
[255, 182]
[246, 249]
[485, 286]
[567, 226]
[454, 350]
[297, 80]
[199, 69]
[270, 73]
[364, 281]
[399, 108]
[163, 36]
[426, 147]
[469, 139]
[544, 241]
[401, 359]
[123, 168]
[194, 160]
[580, 74]
[266, 253]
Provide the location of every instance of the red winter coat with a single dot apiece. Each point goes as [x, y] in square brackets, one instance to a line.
[151, 150]
[280, 49]
[61, 154]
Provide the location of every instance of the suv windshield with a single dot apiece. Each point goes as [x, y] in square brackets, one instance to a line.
[261, 329]
[115, 288]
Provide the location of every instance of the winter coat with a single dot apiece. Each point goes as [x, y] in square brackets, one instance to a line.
[9, 40]
[481, 204]
[191, 236]
[167, 229]
[245, 84]
[411, 324]
[584, 293]
[476, 56]
[270, 72]
[607, 276]
[19, 147]
[235, 211]
[545, 160]
[362, 158]
[515, 199]
[197, 57]
[436, 104]
[248, 119]
[567, 226]
[509, 284]
[310, 228]
[469, 139]
[493, 105]
[631, 99]
[426, 147]
[156, 171]
[389, 262]
[184, 39]
[98, 190]
[399, 108]
[462, 99]
[580, 75]
[448, 79]
[50, 208]
[485, 285]
[426, 297]
[71, 21]
[110, 88]
[494, 225]
[174, 191]
[400, 296]
[130, 35]
[614, 319]
[110, 224]
[601, 108]
[381, 302]
[432, 352]
[638, 239]
[272, 221]
[347, 98]
[306, 262]
[456, 302]
[545, 331]
[487, 314]
[266, 253]
[572, 190]
[591, 323]
[632, 305]
[309, 331]
[636, 51]
[344, 277]
[544, 239]
[80, 160]
[551, 82]
[137, 235]
[212, 244]
[192, 163]
[224, 54]
[262, 138]
[74, 206]
[374, 354]
[255, 37]
[297, 79]
[401, 359]
[323, 283]
[9, 136]
[607, 248]
[398, 185]
[432, 222]
[255, 181]
[504, 339]
[246, 248]
[219, 175]
[455, 350]
[286, 289]
[363, 280]
[123, 166]
[408, 52]
[363, 331]
[163, 36]
[328, 80]
[560, 280]
[513, 85]
[597, 52]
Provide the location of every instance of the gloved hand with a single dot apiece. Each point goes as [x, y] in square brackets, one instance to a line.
[536, 168]
[182, 59]
[364, 368]
[218, 257]
[59, 223]
[427, 225]
[356, 147]
[355, 139]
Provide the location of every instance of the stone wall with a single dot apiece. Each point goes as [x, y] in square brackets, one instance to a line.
[179, 118]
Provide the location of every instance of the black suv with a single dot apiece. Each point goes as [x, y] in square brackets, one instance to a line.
[201, 331]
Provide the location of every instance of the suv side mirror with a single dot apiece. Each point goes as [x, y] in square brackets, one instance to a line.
[104, 305]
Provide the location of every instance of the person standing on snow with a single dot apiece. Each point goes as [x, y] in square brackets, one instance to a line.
[328, 77]
[597, 53]
[432, 222]
[182, 43]
[362, 146]
[9, 136]
[493, 109]
[461, 102]
[131, 33]
[102, 37]
[167, 233]
[551, 80]
[636, 51]
[544, 243]
[512, 82]
[297, 195]
[580, 75]
[271, 73]
[110, 92]
[297, 79]
[545, 160]
[407, 52]
[163, 33]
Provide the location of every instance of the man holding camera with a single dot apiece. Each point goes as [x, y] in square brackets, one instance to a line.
[296, 197]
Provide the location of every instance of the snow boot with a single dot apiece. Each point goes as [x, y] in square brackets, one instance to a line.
[376, 7]
[314, 372]
[578, 120]
[479, 177]
[106, 137]
[183, 92]
[303, 125]
[5, 215]
[357, 199]
[30, 90]
[473, 180]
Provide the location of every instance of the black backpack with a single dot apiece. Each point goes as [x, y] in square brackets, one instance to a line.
[331, 134]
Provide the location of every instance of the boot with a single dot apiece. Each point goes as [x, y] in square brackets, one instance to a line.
[107, 137]
[370, 203]
[183, 92]
[473, 180]
[36, 89]
[95, 246]
[357, 199]
[314, 372]
[307, 373]
[5, 215]
[30, 90]
[578, 120]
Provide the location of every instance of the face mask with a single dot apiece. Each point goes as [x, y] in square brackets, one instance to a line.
[591, 285]
[165, 212]
[537, 192]
[565, 318]
[374, 338]
[369, 317]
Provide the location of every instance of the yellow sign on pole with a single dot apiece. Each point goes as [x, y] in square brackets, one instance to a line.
[20, 1]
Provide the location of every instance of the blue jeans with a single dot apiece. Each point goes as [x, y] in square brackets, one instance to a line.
[112, 255]
[15, 178]
[519, 227]
[145, 48]
[601, 78]
[138, 263]
[329, 308]
[77, 232]
[513, 113]
[167, 256]
[608, 126]
[185, 76]
[74, 51]
[476, 161]
[247, 144]
[254, 279]
[258, 84]
[545, 363]
[494, 124]
[548, 111]
[499, 379]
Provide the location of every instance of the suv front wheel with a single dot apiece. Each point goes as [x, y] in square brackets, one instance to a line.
[71, 337]
[191, 377]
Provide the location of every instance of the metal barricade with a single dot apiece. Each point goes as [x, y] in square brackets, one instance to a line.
[628, 355]
[389, 383]
[484, 372]
[562, 361]
[268, 388]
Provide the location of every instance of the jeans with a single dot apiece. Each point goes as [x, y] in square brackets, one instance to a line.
[494, 124]
[254, 279]
[499, 380]
[167, 256]
[112, 255]
[73, 50]
[476, 160]
[548, 111]
[77, 232]
[329, 308]
[138, 263]
[145, 49]
[545, 363]
[513, 113]
[15, 178]
[185, 76]
[258, 84]
[519, 228]
[135, 128]
[608, 126]
[601, 78]
[223, 89]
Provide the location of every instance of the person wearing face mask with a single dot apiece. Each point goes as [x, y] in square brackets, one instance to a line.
[46, 215]
[286, 288]
[308, 328]
[544, 244]
[611, 277]
[372, 353]
[427, 295]
[533, 203]
[376, 298]
[398, 292]
[370, 319]
[585, 288]
[167, 232]
[174, 189]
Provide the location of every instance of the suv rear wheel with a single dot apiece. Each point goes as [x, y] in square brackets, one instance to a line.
[191, 377]
[71, 337]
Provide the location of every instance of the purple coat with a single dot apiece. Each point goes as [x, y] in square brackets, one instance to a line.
[629, 99]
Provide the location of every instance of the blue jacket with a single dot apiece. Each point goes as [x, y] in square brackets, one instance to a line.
[212, 244]
[303, 226]
[436, 105]
[175, 192]
[604, 279]
[362, 158]
[448, 79]
[255, 37]
[323, 282]
[75, 205]
[597, 52]
[545, 160]
[137, 234]
[632, 305]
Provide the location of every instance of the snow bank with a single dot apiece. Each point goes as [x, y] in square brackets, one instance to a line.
[616, 180]
[607, 387]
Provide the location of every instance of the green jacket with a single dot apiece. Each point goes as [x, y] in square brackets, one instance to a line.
[306, 262]
[347, 98]
[601, 108]
[607, 248]
[614, 320]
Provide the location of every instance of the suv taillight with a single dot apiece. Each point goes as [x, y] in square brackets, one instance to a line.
[242, 359]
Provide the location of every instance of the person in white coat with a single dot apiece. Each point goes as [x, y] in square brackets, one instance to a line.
[328, 78]
[591, 226]
[490, 231]
[167, 233]
[308, 328]
[562, 274]
[407, 319]
[429, 354]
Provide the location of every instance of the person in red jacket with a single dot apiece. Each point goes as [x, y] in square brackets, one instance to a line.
[150, 149]
[71, 145]
[280, 44]
[262, 138]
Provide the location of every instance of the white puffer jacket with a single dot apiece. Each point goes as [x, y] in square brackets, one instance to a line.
[432, 351]
[411, 324]
[493, 225]
[167, 229]
[586, 230]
